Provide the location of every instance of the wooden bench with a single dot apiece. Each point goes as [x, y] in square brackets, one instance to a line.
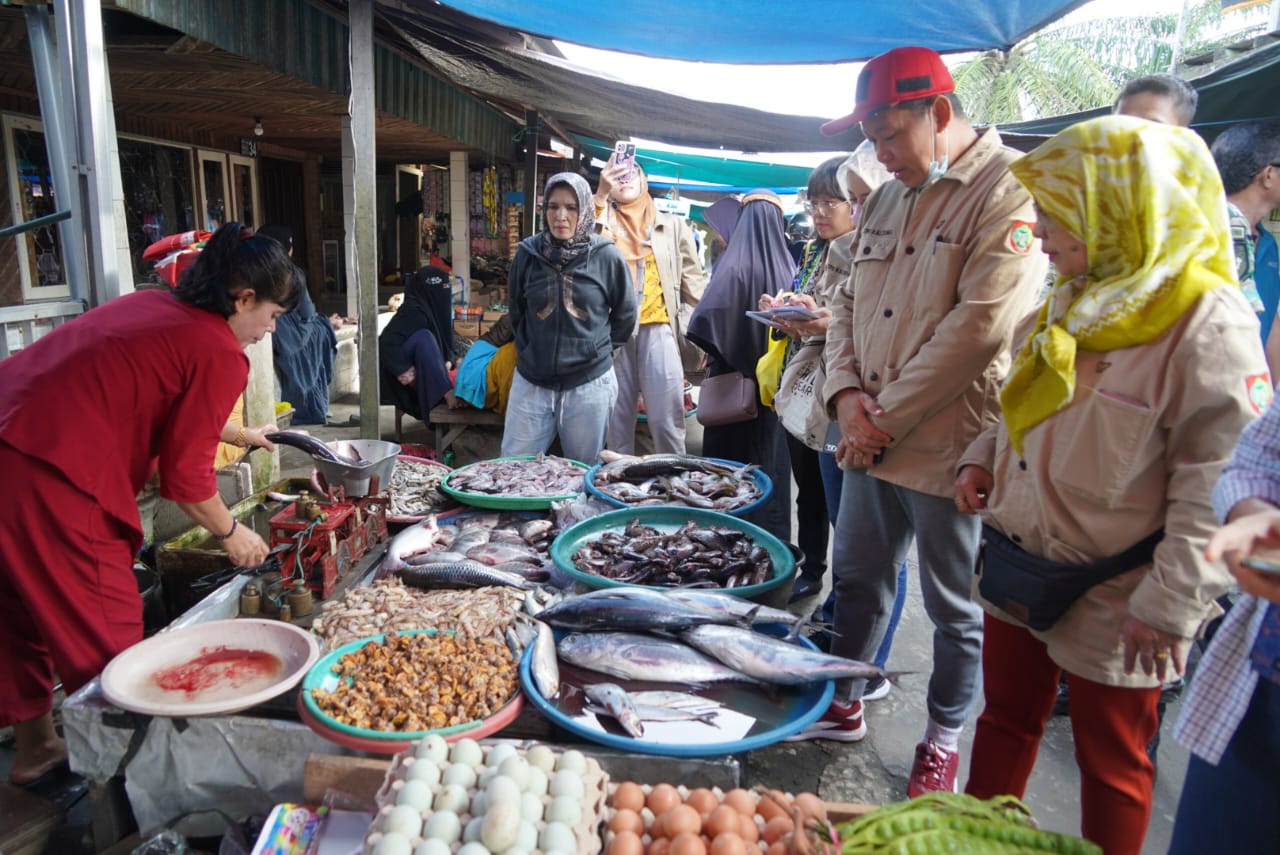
[450, 424]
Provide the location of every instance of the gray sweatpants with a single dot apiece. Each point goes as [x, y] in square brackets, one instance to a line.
[649, 364]
[873, 533]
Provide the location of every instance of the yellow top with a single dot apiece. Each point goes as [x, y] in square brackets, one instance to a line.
[653, 308]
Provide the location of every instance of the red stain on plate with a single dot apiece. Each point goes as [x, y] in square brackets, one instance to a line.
[229, 667]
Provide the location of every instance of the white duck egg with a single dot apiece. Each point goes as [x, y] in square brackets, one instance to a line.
[424, 770]
[415, 794]
[487, 774]
[442, 826]
[433, 748]
[527, 837]
[564, 809]
[431, 846]
[472, 832]
[541, 757]
[452, 798]
[460, 774]
[393, 843]
[403, 819]
[479, 803]
[515, 851]
[476, 848]
[566, 783]
[498, 753]
[517, 770]
[537, 782]
[573, 760]
[502, 789]
[557, 837]
[467, 751]
[531, 807]
[501, 827]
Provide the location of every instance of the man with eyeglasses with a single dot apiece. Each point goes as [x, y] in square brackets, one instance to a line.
[915, 352]
[1248, 159]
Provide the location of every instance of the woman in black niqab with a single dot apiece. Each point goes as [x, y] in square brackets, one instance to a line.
[757, 261]
[419, 337]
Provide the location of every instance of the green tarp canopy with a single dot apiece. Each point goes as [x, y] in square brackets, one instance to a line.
[723, 174]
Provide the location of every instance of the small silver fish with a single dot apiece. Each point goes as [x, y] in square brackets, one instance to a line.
[661, 714]
[618, 704]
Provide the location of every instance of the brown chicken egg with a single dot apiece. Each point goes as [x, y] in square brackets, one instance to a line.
[687, 844]
[768, 808]
[741, 801]
[727, 844]
[626, 819]
[659, 846]
[628, 796]
[703, 801]
[680, 819]
[625, 843]
[778, 847]
[776, 827]
[722, 819]
[749, 831]
[662, 798]
[811, 806]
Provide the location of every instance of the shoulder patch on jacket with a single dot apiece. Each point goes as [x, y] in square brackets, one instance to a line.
[1021, 236]
[1260, 391]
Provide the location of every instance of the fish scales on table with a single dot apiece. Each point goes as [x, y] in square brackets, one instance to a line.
[629, 610]
[693, 555]
[544, 475]
[774, 660]
[389, 606]
[632, 656]
[678, 479]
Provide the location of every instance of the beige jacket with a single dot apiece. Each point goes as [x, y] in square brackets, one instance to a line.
[940, 277]
[1139, 448]
[679, 268]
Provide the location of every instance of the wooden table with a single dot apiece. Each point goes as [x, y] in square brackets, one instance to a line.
[451, 423]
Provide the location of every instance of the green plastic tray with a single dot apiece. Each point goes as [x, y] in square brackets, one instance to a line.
[321, 677]
[507, 503]
[666, 518]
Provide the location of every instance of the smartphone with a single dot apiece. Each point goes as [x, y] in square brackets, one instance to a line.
[1261, 565]
[624, 154]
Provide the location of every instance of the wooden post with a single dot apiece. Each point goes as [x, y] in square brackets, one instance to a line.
[361, 236]
[530, 220]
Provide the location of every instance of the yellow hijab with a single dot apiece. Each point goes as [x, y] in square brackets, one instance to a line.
[1147, 201]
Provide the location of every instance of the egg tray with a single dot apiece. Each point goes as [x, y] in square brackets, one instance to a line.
[648, 817]
[586, 832]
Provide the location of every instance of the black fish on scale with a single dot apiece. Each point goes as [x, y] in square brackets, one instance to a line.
[310, 445]
[692, 556]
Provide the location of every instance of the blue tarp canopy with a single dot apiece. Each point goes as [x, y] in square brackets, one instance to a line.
[770, 31]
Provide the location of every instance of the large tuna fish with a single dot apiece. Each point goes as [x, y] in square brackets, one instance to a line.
[774, 660]
[631, 656]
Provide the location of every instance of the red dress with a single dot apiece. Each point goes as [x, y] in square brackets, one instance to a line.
[85, 413]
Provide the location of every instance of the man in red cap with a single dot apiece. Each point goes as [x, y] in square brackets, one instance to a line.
[917, 346]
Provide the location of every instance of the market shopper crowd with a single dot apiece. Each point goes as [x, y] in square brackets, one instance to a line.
[1050, 446]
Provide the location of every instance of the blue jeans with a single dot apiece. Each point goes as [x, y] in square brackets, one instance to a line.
[1231, 807]
[536, 415]
[832, 478]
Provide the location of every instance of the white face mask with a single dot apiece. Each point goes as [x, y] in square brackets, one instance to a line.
[938, 168]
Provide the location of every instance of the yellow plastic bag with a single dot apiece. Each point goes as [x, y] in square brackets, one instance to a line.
[769, 368]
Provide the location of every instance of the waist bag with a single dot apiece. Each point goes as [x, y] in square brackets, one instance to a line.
[1038, 591]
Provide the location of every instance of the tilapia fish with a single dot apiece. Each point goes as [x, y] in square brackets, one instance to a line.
[774, 660]
[544, 475]
[693, 555]
[629, 610]
[459, 574]
[413, 541]
[631, 656]
[618, 704]
[678, 479]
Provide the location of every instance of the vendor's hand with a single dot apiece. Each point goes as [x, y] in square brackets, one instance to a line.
[860, 440]
[1156, 651]
[1254, 527]
[245, 548]
[257, 436]
[408, 376]
[973, 486]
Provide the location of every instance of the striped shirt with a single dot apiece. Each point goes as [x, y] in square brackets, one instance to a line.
[1219, 696]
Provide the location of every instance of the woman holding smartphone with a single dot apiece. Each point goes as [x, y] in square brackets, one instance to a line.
[668, 281]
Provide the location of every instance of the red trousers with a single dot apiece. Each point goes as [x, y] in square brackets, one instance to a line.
[68, 598]
[1111, 727]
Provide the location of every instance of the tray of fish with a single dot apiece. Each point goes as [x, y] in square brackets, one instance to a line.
[649, 695]
[665, 546]
[415, 490]
[682, 480]
[525, 482]
[474, 549]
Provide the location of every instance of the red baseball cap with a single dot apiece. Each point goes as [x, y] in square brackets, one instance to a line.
[902, 74]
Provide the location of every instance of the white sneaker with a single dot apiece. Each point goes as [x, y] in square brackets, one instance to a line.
[876, 689]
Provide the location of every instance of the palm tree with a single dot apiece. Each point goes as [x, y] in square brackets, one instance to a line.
[1074, 67]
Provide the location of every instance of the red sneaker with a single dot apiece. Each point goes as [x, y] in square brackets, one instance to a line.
[841, 722]
[934, 770]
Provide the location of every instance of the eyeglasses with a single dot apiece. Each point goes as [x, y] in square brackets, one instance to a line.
[823, 208]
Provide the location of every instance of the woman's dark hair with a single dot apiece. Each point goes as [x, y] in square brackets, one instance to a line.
[823, 180]
[235, 259]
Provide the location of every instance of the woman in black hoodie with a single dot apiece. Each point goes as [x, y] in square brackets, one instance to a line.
[571, 305]
[416, 348]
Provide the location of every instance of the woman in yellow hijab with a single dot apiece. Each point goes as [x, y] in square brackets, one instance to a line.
[1135, 379]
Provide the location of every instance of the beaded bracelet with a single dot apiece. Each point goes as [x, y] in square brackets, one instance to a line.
[234, 524]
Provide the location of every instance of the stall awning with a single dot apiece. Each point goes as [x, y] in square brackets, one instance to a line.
[767, 31]
[724, 174]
